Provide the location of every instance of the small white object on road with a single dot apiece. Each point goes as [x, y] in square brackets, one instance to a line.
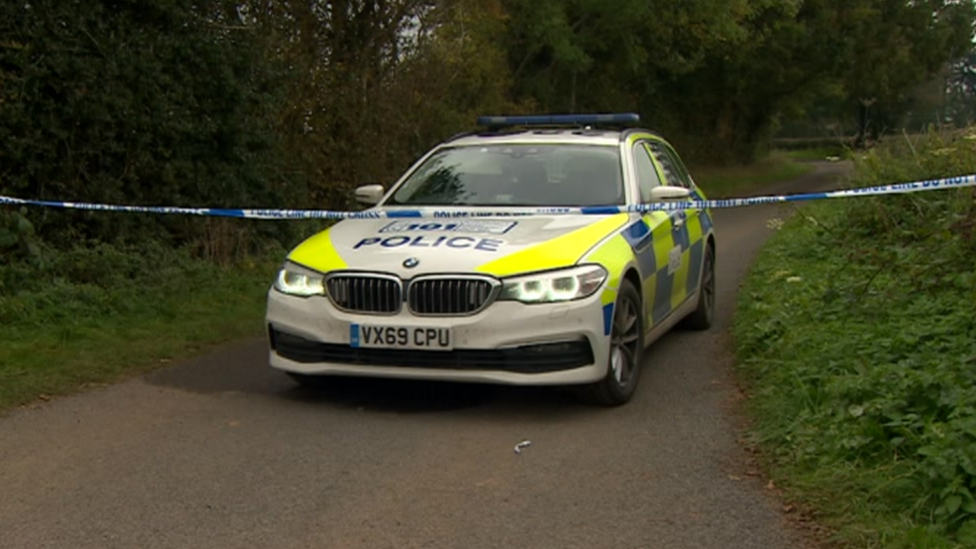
[523, 444]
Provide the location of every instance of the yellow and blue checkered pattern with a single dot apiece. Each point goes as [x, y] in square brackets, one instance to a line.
[668, 249]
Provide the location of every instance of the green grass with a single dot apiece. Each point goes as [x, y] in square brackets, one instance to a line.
[724, 182]
[856, 343]
[96, 315]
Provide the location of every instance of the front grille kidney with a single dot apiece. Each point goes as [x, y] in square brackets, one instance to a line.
[449, 296]
[366, 294]
[431, 296]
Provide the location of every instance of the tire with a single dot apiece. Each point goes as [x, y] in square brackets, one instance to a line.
[626, 352]
[704, 315]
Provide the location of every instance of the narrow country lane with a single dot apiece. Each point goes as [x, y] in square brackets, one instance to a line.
[220, 452]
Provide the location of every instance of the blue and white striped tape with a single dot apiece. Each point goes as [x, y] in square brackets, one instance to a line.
[400, 213]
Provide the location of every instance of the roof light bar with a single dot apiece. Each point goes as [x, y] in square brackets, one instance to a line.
[559, 120]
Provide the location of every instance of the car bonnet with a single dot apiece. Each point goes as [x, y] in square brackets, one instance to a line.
[499, 247]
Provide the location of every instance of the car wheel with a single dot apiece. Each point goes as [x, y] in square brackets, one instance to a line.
[704, 315]
[626, 351]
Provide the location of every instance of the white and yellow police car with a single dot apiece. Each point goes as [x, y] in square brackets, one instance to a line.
[433, 290]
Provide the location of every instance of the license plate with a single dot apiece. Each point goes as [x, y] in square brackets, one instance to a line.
[401, 337]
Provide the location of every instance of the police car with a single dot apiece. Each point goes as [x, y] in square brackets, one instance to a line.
[432, 289]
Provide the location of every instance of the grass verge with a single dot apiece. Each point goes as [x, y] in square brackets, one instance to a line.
[94, 315]
[731, 181]
[856, 343]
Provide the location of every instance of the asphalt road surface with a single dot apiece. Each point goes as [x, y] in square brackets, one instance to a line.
[221, 452]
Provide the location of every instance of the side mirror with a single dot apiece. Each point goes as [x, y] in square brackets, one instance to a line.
[668, 192]
[369, 194]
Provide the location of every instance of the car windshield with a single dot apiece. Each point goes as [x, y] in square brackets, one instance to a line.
[516, 175]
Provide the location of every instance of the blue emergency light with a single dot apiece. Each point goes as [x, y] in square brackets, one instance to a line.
[559, 120]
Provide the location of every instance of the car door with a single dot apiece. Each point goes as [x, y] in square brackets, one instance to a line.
[655, 241]
[684, 259]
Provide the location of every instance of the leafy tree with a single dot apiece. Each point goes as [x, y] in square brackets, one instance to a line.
[715, 74]
[378, 82]
[903, 44]
[577, 55]
[962, 90]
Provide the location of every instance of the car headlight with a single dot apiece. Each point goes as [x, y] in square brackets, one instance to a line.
[299, 281]
[564, 285]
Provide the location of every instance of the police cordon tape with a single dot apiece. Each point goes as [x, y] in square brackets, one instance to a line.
[413, 213]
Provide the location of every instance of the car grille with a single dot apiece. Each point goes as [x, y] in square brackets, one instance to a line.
[365, 294]
[427, 296]
[449, 296]
[531, 359]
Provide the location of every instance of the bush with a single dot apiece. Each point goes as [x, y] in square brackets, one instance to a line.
[146, 103]
[856, 335]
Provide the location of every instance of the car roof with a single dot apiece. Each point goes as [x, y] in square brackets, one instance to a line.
[567, 136]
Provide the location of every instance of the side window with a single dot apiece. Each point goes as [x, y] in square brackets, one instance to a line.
[682, 169]
[647, 177]
[672, 172]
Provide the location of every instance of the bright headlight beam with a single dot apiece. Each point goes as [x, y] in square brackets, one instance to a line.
[565, 288]
[565, 285]
[293, 280]
[532, 290]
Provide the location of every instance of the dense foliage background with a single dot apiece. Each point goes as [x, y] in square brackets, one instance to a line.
[275, 103]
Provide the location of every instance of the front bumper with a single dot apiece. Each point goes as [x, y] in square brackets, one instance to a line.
[507, 343]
